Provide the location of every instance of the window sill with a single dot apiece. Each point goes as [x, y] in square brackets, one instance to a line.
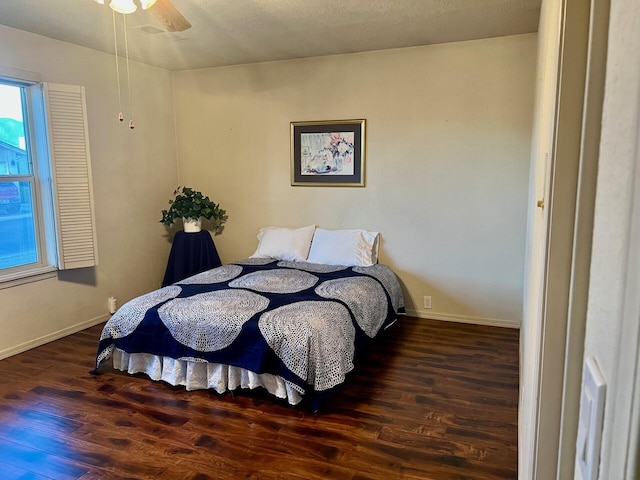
[34, 274]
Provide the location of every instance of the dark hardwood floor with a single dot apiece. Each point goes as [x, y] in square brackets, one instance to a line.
[432, 400]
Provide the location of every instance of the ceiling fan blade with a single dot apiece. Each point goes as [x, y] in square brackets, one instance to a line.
[169, 16]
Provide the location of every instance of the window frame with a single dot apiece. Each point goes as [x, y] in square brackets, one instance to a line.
[36, 145]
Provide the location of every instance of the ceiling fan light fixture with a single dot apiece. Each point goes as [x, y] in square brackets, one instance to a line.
[147, 3]
[123, 6]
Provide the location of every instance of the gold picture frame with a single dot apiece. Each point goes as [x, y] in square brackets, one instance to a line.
[328, 153]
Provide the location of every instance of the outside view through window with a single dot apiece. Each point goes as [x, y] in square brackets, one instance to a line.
[17, 227]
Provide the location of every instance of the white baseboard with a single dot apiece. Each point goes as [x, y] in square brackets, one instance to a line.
[23, 347]
[490, 322]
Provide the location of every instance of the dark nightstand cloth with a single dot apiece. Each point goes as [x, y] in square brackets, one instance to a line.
[191, 253]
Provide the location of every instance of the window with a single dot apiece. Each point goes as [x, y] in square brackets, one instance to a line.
[46, 202]
[20, 219]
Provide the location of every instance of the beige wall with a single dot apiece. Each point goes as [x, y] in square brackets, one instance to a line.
[448, 131]
[133, 173]
[448, 138]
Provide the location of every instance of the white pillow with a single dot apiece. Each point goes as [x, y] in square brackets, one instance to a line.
[353, 248]
[290, 244]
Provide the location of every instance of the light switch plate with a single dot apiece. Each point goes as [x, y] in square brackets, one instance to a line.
[591, 417]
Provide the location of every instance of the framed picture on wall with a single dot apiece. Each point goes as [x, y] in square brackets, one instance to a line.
[328, 153]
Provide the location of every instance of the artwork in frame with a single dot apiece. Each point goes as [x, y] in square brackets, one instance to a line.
[328, 153]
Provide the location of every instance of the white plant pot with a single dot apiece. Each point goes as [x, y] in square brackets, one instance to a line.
[191, 225]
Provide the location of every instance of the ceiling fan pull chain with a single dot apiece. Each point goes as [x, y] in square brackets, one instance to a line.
[115, 44]
[126, 50]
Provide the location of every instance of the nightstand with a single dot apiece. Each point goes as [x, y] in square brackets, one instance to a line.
[191, 253]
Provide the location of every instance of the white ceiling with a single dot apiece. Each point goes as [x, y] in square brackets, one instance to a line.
[230, 32]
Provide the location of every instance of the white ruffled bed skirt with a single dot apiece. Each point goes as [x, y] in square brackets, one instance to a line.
[197, 375]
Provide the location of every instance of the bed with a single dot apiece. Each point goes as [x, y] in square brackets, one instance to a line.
[294, 327]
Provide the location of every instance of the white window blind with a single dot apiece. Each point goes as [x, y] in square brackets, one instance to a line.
[71, 171]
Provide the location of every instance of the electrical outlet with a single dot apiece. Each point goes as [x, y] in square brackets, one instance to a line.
[112, 304]
[427, 302]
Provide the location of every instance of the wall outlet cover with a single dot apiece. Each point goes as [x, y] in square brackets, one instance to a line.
[427, 302]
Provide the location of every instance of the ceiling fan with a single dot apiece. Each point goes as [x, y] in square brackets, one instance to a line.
[163, 10]
[165, 13]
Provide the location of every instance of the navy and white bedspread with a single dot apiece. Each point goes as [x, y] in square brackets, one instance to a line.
[301, 321]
